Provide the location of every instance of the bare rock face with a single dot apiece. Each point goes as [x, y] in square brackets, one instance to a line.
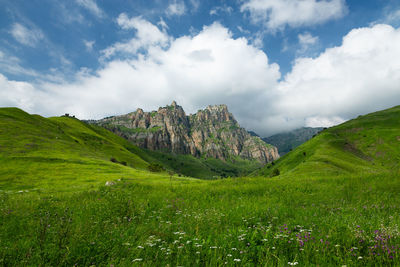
[212, 132]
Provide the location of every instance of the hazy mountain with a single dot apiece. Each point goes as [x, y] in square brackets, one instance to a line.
[285, 142]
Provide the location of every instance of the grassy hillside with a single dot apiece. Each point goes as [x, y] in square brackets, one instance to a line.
[368, 144]
[37, 152]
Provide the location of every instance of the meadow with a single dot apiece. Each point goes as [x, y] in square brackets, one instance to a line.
[336, 201]
[335, 221]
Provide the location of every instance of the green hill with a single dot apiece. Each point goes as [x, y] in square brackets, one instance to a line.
[63, 152]
[367, 144]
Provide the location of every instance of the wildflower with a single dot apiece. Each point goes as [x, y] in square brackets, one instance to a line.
[293, 263]
[229, 255]
[360, 258]
[213, 247]
[140, 247]
[273, 247]
[139, 259]
[237, 260]
[197, 252]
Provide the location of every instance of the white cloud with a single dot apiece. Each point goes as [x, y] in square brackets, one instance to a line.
[88, 44]
[12, 65]
[92, 6]
[277, 14]
[176, 8]
[360, 76]
[195, 4]
[221, 9]
[18, 94]
[306, 40]
[163, 24]
[25, 36]
[211, 67]
[147, 35]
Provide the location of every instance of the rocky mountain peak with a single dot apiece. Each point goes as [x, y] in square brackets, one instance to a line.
[212, 132]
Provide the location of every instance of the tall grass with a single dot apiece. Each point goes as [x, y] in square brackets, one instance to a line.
[335, 221]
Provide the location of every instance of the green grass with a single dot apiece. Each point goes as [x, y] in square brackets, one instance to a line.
[337, 204]
[368, 144]
[160, 221]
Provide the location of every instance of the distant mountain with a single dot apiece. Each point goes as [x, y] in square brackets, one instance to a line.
[212, 132]
[285, 142]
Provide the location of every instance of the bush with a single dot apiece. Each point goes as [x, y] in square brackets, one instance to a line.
[275, 172]
[155, 167]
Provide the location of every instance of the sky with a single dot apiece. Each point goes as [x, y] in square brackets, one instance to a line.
[277, 64]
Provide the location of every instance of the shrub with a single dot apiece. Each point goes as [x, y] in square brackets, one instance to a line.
[275, 172]
[155, 167]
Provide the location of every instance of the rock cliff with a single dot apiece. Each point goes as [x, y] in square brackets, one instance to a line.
[212, 132]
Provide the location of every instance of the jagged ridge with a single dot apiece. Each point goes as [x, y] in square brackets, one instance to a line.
[212, 132]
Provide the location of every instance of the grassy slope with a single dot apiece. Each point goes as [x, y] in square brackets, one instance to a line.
[39, 152]
[368, 144]
[60, 153]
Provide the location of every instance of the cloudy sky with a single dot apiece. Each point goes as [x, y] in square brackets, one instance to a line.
[277, 64]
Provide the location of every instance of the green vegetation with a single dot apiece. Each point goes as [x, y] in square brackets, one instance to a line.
[122, 128]
[335, 201]
[368, 144]
[203, 167]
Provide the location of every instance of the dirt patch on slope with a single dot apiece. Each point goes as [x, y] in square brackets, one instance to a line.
[353, 149]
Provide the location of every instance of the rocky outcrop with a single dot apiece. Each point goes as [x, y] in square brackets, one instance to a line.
[212, 132]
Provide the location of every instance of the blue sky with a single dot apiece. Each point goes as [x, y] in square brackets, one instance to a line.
[267, 59]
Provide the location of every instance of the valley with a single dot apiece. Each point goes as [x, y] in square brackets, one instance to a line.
[333, 202]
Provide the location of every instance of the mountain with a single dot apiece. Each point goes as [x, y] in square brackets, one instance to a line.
[366, 145]
[212, 132]
[287, 141]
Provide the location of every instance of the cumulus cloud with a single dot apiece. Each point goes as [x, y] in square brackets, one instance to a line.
[360, 76]
[25, 36]
[91, 6]
[212, 67]
[277, 14]
[176, 8]
[147, 35]
[18, 94]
